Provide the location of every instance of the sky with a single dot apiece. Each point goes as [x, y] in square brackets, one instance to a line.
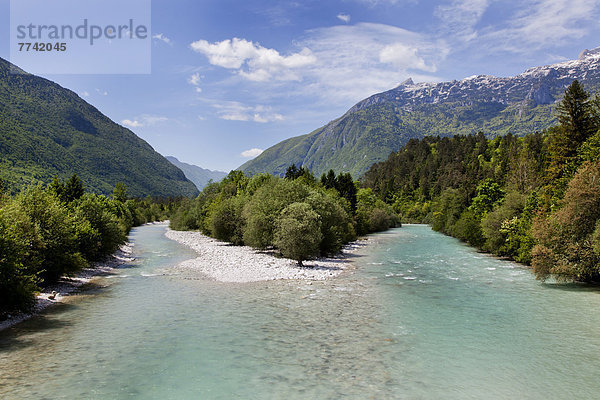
[232, 78]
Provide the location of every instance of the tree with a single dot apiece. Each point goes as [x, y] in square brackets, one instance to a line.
[73, 189]
[567, 239]
[266, 204]
[344, 184]
[298, 232]
[489, 193]
[120, 192]
[225, 220]
[575, 115]
[328, 180]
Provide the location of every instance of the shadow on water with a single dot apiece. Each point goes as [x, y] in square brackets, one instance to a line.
[19, 336]
[573, 287]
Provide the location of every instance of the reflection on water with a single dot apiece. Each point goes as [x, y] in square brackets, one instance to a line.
[421, 317]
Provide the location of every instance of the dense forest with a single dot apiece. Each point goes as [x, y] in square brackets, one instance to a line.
[298, 215]
[48, 232]
[534, 199]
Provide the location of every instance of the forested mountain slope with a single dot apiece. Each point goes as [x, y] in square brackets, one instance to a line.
[48, 131]
[385, 122]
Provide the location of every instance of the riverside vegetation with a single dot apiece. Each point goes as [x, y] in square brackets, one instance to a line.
[48, 232]
[298, 215]
[534, 199]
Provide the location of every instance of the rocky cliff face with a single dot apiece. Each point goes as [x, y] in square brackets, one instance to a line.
[383, 123]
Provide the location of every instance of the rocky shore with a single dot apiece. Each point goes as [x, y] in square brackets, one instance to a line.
[67, 285]
[224, 262]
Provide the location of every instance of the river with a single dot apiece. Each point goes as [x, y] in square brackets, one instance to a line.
[422, 316]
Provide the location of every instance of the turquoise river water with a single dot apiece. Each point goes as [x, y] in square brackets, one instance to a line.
[421, 316]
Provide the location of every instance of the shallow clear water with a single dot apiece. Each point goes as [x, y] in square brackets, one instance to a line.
[421, 317]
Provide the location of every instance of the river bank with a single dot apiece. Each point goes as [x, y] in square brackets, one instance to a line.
[224, 262]
[67, 285]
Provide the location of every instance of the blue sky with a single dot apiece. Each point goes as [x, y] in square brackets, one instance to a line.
[232, 77]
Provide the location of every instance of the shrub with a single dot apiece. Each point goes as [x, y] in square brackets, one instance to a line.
[104, 225]
[298, 232]
[226, 221]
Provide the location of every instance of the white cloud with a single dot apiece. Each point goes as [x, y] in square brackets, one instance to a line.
[102, 92]
[194, 79]
[344, 18]
[163, 38]
[460, 17]
[85, 94]
[542, 23]
[144, 120]
[235, 111]
[355, 61]
[338, 63]
[252, 61]
[404, 56]
[131, 124]
[251, 153]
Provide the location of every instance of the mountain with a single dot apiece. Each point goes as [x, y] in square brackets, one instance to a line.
[199, 176]
[48, 131]
[383, 123]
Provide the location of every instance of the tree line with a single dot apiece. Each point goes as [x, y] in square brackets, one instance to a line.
[298, 215]
[48, 232]
[534, 199]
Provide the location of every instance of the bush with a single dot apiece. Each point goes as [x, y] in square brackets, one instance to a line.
[226, 221]
[104, 234]
[265, 205]
[566, 239]
[18, 267]
[336, 225]
[57, 247]
[298, 232]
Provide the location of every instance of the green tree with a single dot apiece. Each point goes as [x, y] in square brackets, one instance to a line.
[226, 221]
[57, 247]
[120, 192]
[575, 115]
[104, 235]
[266, 204]
[489, 193]
[566, 239]
[298, 232]
[73, 189]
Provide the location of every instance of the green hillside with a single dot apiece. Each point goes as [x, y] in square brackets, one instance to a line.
[48, 131]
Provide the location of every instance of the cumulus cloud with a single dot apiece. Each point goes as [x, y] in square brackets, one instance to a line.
[253, 61]
[162, 38]
[344, 18]
[335, 63]
[131, 123]
[85, 94]
[251, 153]
[404, 56]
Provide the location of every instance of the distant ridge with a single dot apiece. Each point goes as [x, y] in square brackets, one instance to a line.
[47, 131]
[199, 176]
[383, 123]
